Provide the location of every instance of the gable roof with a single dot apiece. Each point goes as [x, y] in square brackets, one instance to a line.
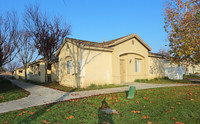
[122, 39]
[107, 44]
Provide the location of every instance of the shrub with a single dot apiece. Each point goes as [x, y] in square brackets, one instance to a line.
[92, 86]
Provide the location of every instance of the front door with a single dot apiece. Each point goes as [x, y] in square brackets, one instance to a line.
[122, 70]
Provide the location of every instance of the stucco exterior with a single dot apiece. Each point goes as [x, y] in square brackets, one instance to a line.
[80, 63]
[36, 71]
[109, 62]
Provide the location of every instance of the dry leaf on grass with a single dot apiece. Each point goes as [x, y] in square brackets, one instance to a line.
[145, 117]
[135, 111]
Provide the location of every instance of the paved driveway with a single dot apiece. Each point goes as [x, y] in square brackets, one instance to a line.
[40, 95]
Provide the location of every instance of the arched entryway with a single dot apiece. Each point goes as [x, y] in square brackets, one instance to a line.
[132, 66]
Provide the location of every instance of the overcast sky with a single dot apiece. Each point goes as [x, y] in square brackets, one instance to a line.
[95, 20]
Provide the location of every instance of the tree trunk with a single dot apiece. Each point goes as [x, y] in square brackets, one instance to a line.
[46, 77]
[25, 72]
[187, 71]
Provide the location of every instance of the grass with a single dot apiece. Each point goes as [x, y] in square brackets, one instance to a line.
[9, 91]
[161, 105]
[56, 85]
[191, 76]
[166, 81]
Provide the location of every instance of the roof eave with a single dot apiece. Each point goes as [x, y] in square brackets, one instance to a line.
[129, 37]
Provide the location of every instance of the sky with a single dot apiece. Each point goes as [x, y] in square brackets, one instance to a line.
[97, 20]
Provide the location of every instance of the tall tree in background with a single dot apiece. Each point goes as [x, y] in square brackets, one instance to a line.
[46, 32]
[164, 52]
[26, 50]
[8, 37]
[182, 25]
[11, 66]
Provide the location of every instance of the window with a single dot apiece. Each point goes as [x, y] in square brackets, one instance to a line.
[20, 71]
[137, 65]
[69, 66]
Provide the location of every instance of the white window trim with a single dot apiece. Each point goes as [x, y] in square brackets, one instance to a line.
[137, 65]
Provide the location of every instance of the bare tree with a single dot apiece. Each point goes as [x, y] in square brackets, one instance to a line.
[164, 52]
[8, 37]
[11, 66]
[26, 50]
[46, 32]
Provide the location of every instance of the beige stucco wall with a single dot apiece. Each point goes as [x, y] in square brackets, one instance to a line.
[98, 67]
[64, 78]
[18, 74]
[156, 67]
[36, 72]
[54, 72]
[131, 50]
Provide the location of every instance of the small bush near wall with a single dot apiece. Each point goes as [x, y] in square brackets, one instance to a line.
[191, 76]
[141, 80]
[165, 80]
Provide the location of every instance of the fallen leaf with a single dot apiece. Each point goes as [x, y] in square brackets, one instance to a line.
[39, 95]
[169, 111]
[144, 106]
[1, 97]
[172, 107]
[70, 117]
[95, 114]
[190, 93]
[111, 102]
[25, 111]
[137, 102]
[5, 122]
[135, 111]
[146, 98]
[19, 114]
[32, 113]
[48, 109]
[178, 122]
[145, 117]
[149, 122]
[45, 121]
[179, 103]
[173, 118]
[117, 100]
[192, 99]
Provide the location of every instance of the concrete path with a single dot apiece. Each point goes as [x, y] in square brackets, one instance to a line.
[40, 95]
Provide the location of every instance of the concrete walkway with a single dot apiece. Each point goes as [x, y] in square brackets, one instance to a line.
[40, 95]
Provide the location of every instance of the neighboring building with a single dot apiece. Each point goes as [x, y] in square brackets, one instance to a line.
[121, 60]
[80, 63]
[36, 71]
[6, 74]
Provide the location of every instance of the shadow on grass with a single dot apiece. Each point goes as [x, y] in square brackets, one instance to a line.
[103, 117]
[44, 109]
[7, 86]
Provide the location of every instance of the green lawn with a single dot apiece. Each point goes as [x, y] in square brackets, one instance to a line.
[56, 85]
[191, 76]
[9, 91]
[166, 81]
[161, 105]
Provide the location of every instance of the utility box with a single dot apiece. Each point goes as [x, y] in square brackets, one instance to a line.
[131, 92]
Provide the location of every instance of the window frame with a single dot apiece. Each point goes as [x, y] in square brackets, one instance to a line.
[69, 66]
[138, 65]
